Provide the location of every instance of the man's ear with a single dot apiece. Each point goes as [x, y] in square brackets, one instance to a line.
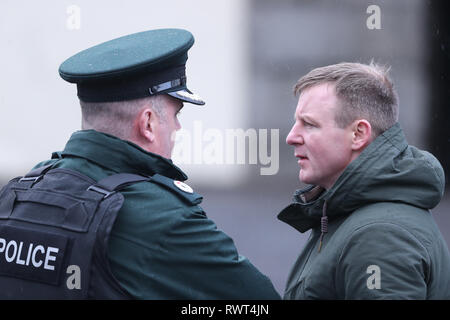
[146, 123]
[361, 134]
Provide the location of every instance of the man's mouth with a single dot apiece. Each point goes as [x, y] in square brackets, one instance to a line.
[301, 158]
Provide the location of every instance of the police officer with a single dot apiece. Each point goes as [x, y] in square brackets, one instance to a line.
[151, 240]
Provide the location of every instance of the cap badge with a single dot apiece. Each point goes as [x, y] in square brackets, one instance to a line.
[183, 186]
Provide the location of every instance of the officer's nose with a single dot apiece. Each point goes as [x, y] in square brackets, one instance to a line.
[177, 125]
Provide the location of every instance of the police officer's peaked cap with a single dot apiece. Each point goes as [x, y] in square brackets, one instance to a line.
[134, 66]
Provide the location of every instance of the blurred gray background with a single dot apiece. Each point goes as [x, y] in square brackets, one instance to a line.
[247, 57]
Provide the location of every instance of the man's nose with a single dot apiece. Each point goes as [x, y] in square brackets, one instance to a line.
[294, 136]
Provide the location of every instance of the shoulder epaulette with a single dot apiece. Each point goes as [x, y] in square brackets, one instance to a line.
[179, 187]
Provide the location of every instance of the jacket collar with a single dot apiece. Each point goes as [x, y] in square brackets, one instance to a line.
[119, 155]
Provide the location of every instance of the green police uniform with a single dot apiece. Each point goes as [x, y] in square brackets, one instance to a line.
[162, 245]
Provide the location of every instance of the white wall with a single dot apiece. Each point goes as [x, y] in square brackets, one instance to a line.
[39, 111]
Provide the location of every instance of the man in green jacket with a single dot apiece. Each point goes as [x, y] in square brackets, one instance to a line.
[370, 194]
[162, 245]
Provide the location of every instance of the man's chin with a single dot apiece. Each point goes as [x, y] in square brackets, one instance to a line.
[304, 178]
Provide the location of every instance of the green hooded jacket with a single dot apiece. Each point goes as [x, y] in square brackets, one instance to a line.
[162, 245]
[380, 241]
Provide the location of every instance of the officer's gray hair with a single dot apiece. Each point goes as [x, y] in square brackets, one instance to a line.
[364, 91]
[116, 118]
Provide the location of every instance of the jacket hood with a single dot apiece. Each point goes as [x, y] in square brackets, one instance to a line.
[388, 170]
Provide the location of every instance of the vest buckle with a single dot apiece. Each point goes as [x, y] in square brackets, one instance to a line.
[106, 193]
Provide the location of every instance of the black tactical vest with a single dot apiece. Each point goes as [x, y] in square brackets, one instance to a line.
[54, 230]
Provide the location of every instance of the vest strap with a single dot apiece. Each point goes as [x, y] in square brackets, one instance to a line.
[115, 182]
[35, 175]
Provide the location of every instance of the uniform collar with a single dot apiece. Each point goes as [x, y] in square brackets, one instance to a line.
[119, 155]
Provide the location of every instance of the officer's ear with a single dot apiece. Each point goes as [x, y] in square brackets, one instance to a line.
[146, 124]
[361, 134]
